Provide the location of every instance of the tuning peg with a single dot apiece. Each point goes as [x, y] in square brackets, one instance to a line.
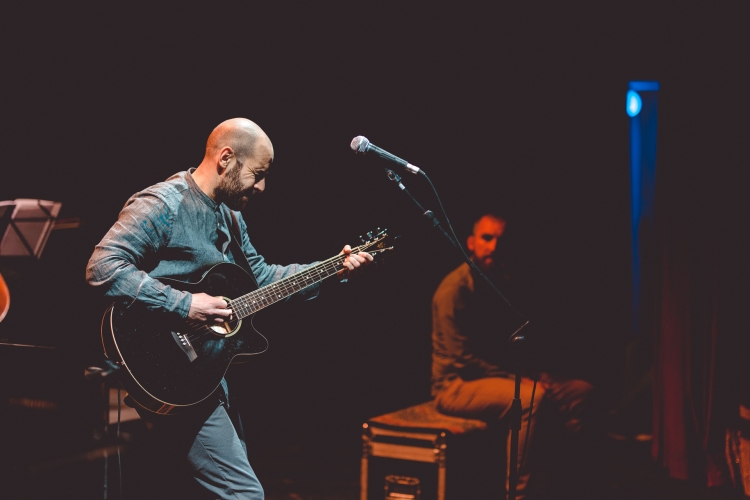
[369, 235]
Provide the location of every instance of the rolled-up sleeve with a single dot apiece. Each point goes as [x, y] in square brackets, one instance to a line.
[143, 227]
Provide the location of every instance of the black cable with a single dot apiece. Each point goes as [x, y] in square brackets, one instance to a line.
[513, 337]
[466, 256]
[507, 302]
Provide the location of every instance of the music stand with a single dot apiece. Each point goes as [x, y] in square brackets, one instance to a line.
[25, 225]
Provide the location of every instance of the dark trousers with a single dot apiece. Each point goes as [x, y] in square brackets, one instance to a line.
[200, 454]
[490, 399]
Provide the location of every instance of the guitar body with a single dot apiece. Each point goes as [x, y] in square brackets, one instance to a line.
[169, 364]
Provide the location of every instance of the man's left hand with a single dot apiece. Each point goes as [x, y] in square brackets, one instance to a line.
[353, 262]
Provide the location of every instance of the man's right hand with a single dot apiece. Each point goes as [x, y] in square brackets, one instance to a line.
[208, 309]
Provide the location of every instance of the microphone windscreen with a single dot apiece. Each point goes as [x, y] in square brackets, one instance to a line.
[359, 144]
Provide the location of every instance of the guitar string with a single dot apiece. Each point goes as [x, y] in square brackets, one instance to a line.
[265, 296]
[307, 277]
[287, 285]
[234, 302]
[264, 301]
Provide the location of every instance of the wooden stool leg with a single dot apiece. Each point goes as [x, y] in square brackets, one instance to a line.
[441, 466]
[441, 482]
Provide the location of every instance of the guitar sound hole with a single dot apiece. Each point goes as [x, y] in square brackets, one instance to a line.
[225, 329]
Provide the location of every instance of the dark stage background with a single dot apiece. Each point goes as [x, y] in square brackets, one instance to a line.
[513, 108]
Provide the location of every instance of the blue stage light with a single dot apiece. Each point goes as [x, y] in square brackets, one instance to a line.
[634, 103]
[643, 86]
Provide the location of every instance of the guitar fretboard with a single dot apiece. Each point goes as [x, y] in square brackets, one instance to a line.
[253, 302]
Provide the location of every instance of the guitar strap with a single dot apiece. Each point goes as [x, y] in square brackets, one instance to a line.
[236, 248]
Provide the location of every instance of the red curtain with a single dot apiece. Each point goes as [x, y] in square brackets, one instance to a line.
[692, 387]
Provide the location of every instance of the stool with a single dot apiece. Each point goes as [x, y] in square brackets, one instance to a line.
[418, 433]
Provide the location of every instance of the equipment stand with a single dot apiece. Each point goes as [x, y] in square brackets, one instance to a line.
[99, 374]
[516, 413]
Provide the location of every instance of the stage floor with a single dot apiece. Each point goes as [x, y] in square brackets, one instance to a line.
[304, 472]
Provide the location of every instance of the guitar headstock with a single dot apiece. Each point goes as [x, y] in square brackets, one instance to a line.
[375, 242]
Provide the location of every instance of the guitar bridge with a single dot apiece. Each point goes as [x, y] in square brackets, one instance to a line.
[185, 345]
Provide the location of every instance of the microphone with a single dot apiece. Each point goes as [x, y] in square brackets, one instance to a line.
[361, 144]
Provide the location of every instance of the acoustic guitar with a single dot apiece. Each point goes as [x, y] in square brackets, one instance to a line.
[169, 364]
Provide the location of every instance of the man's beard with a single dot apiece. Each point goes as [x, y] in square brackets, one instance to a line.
[494, 267]
[229, 191]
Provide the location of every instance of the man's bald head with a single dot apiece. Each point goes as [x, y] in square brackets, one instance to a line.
[240, 134]
[238, 156]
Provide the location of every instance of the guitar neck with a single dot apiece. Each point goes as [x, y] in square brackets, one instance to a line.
[253, 302]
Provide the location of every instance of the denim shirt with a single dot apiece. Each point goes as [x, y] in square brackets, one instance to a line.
[172, 229]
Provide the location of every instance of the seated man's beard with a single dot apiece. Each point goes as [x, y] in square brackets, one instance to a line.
[229, 191]
[495, 270]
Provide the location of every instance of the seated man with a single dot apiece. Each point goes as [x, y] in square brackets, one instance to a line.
[471, 372]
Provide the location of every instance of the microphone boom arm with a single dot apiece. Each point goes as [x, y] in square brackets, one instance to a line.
[427, 213]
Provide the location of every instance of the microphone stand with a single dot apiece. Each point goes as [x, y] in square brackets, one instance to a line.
[516, 340]
[427, 213]
[100, 374]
